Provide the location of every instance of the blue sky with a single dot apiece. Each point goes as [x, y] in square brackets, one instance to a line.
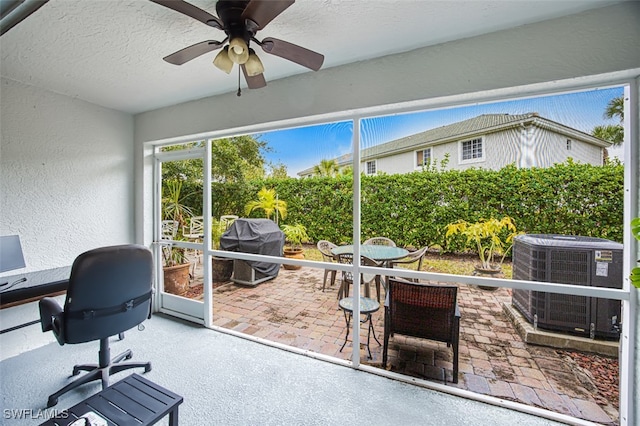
[304, 147]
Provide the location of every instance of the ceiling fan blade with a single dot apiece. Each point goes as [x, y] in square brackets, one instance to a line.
[7, 6]
[14, 12]
[191, 11]
[263, 11]
[193, 51]
[254, 82]
[294, 53]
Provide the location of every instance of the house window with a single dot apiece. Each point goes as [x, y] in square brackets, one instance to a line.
[472, 150]
[371, 167]
[423, 157]
[568, 144]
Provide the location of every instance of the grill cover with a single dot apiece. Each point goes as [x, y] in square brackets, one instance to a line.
[255, 236]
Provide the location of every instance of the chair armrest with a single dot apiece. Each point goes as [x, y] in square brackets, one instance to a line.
[50, 312]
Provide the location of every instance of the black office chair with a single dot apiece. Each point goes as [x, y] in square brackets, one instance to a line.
[109, 292]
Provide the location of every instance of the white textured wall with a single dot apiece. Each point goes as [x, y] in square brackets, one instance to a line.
[66, 175]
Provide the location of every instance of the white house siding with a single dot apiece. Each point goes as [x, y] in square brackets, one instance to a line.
[551, 148]
[66, 175]
[401, 163]
[529, 146]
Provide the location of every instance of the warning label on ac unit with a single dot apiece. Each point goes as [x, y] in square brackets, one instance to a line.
[602, 269]
[604, 256]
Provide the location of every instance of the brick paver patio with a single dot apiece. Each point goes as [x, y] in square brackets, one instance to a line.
[292, 309]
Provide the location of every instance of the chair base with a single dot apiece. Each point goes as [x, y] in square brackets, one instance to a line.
[100, 371]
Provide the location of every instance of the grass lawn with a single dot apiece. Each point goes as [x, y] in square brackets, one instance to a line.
[458, 264]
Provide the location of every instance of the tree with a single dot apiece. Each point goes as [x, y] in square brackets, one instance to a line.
[615, 109]
[237, 159]
[326, 168]
[278, 171]
[183, 170]
[269, 202]
[613, 133]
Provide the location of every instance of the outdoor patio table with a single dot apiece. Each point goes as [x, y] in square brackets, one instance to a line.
[383, 254]
[367, 307]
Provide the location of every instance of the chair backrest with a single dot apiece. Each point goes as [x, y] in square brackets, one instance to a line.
[380, 241]
[421, 310]
[347, 258]
[367, 261]
[169, 229]
[196, 226]
[412, 257]
[324, 247]
[226, 221]
[109, 292]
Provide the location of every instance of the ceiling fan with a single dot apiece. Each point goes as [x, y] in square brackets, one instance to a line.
[241, 20]
[12, 12]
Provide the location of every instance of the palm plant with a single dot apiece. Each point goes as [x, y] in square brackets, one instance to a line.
[613, 133]
[326, 168]
[268, 202]
[615, 109]
[490, 237]
[173, 209]
[296, 235]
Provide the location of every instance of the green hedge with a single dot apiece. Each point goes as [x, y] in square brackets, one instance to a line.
[414, 208]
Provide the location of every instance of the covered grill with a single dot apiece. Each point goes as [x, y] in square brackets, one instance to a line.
[256, 236]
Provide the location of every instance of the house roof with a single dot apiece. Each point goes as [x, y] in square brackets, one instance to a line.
[472, 127]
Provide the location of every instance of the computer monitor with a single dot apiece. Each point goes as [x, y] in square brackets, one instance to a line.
[10, 253]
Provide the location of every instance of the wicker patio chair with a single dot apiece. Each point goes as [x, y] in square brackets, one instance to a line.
[380, 241]
[324, 247]
[413, 257]
[423, 311]
[366, 279]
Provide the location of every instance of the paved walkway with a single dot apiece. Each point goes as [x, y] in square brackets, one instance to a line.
[292, 309]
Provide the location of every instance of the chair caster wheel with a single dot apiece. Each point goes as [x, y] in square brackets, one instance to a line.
[75, 372]
[129, 356]
[51, 402]
[147, 368]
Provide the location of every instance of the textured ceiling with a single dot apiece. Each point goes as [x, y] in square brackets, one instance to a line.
[109, 52]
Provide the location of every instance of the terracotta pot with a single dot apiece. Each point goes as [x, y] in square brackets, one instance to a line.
[490, 273]
[293, 254]
[221, 269]
[176, 278]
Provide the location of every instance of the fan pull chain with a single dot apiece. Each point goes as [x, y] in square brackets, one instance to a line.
[239, 91]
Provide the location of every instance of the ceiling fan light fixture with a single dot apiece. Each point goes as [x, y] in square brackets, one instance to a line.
[238, 51]
[222, 61]
[253, 66]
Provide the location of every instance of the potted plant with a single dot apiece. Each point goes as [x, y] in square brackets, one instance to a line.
[491, 238]
[295, 235]
[176, 265]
